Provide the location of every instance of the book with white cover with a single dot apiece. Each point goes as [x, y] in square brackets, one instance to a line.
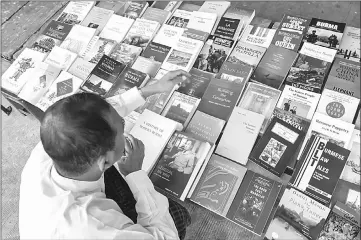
[141, 32]
[75, 12]
[64, 85]
[350, 44]
[78, 39]
[154, 131]
[217, 7]
[338, 105]
[202, 21]
[60, 58]
[315, 51]
[97, 18]
[243, 123]
[14, 77]
[130, 120]
[180, 18]
[116, 28]
[351, 171]
[298, 101]
[42, 76]
[168, 35]
[156, 14]
[81, 68]
[258, 36]
[96, 48]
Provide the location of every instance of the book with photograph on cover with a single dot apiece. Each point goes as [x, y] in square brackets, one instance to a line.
[97, 18]
[96, 48]
[235, 72]
[197, 85]
[246, 53]
[352, 172]
[75, 12]
[350, 44]
[180, 18]
[135, 9]
[125, 53]
[156, 51]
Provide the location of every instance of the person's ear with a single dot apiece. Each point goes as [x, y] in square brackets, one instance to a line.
[108, 160]
[101, 163]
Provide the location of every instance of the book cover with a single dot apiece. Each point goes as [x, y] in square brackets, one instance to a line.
[319, 52]
[235, 72]
[243, 123]
[351, 173]
[319, 169]
[261, 22]
[17, 74]
[169, 6]
[274, 66]
[296, 24]
[168, 35]
[103, 76]
[81, 68]
[96, 48]
[246, 53]
[258, 36]
[254, 202]
[260, 99]
[324, 33]
[146, 65]
[154, 131]
[344, 77]
[277, 146]
[298, 217]
[141, 33]
[298, 101]
[288, 40]
[75, 12]
[203, 21]
[205, 127]
[125, 53]
[338, 105]
[195, 34]
[180, 108]
[179, 164]
[78, 39]
[130, 120]
[116, 28]
[156, 14]
[156, 51]
[180, 18]
[197, 85]
[217, 7]
[135, 9]
[218, 185]
[97, 18]
[353, 200]
[60, 58]
[350, 44]
[358, 120]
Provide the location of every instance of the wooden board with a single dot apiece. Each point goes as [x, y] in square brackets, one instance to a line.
[9, 8]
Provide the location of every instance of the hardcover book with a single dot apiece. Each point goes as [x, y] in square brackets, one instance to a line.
[288, 40]
[168, 35]
[235, 72]
[296, 24]
[254, 202]
[81, 68]
[350, 44]
[135, 9]
[96, 48]
[97, 18]
[197, 85]
[179, 164]
[202, 21]
[116, 28]
[125, 53]
[180, 18]
[78, 39]
[156, 14]
[146, 65]
[246, 53]
[258, 36]
[141, 33]
[156, 52]
[75, 12]
[351, 173]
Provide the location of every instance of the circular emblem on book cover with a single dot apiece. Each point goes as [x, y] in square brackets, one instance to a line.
[335, 109]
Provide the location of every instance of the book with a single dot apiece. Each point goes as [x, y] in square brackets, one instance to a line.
[146, 65]
[60, 58]
[213, 54]
[318, 52]
[202, 21]
[179, 18]
[353, 200]
[154, 131]
[195, 34]
[97, 18]
[135, 9]
[197, 85]
[179, 164]
[130, 120]
[103, 76]
[358, 120]
[324, 33]
[125, 53]
[218, 185]
[53, 35]
[190, 6]
[274, 66]
[180, 108]
[42, 76]
[156, 51]
[235, 72]
[217, 7]
[277, 146]
[75, 12]
[351, 171]
[298, 101]
[295, 24]
[116, 28]
[169, 6]
[63, 86]
[260, 99]
[338, 105]
[78, 39]
[141, 32]
[17, 74]
[350, 44]
[261, 22]
[96, 48]
[254, 202]
[288, 40]
[258, 36]
[246, 53]
[344, 77]
[156, 14]
[243, 123]
[319, 169]
[297, 217]
[168, 35]
[205, 127]
[81, 68]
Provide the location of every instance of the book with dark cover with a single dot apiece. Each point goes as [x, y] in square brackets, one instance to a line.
[227, 27]
[294, 24]
[103, 76]
[319, 168]
[277, 146]
[198, 83]
[135, 9]
[195, 34]
[235, 72]
[274, 66]
[218, 184]
[254, 202]
[156, 51]
[288, 40]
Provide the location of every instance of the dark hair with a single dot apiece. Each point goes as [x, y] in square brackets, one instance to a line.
[75, 133]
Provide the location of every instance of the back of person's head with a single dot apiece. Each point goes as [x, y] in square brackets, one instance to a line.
[75, 132]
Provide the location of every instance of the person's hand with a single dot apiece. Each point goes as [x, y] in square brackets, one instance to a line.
[134, 157]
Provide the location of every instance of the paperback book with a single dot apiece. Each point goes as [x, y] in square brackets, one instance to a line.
[81, 68]
[319, 52]
[96, 48]
[97, 18]
[197, 85]
[156, 14]
[246, 53]
[295, 24]
[258, 36]
[352, 172]
[156, 52]
[288, 40]
[217, 7]
[60, 58]
[147, 66]
[135, 9]
[202, 21]
[75, 12]
[180, 18]
[78, 39]
[169, 6]
[261, 22]
[125, 53]
[350, 44]
[168, 35]
[235, 72]
[116, 28]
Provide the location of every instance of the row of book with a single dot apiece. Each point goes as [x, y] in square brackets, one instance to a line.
[279, 94]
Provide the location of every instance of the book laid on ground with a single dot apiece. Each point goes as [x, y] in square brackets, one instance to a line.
[197, 85]
[338, 105]
[218, 185]
[298, 101]
[274, 66]
[179, 18]
[156, 51]
[78, 39]
[246, 53]
[16, 75]
[169, 6]
[154, 131]
[254, 201]
[243, 123]
[60, 58]
[262, 22]
[319, 169]
[235, 72]
[351, 173]
[297, 217]
[350, 44]
[125, 53]
[217, 7]
[258, 36]
[63, 86]
[96, 48]
[116, 28]
[202, 21]
[179, 164]
[260, 99]
[168, 35]
[97, 18]
[53, 35]
[81, 68]
[353, 200]
[147, 66]
[319, 52]
[358, 120]
[135, 9]
[288, 40]
[277, 146]
[324, 33]
[75, 12]
[42, 76]
[295, 24]
[344, 77]
[195, 34]
[156, 14]
[103, 76]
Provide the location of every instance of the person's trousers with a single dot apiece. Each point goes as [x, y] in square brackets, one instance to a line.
[117, 189]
